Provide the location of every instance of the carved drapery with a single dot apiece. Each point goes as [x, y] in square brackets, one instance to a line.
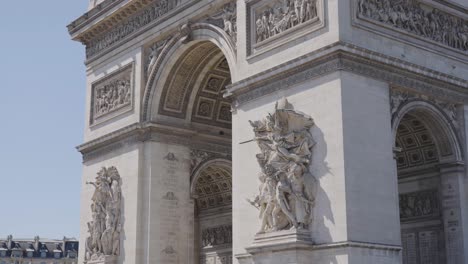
[105, 227]
[287, 190]
[418, 19]
[282, 15]
[112, 94]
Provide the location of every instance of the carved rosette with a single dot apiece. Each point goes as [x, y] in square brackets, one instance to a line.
[417, 19]
[287, 190]
[103, 243]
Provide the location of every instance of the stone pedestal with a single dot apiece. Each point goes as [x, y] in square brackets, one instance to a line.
[289, 246]
[103, 260]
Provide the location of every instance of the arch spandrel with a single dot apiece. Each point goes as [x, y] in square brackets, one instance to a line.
[176, 50]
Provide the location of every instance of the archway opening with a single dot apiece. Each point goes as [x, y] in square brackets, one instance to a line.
[418, 158]
[213, 214]
[191, 98]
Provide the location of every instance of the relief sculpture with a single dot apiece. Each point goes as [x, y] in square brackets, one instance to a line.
[105, 227]
[286, 196]
[419, 204]
[216, 236]
[283, 15]
[413, 17]
[112, 93]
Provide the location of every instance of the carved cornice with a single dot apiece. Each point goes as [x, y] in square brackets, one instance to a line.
[141, 132]
[347, 57]
[125, 22]
[92, 14]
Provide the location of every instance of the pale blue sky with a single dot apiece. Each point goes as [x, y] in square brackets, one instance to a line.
[42, 85]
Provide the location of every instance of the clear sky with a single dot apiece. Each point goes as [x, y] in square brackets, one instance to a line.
[42, 84]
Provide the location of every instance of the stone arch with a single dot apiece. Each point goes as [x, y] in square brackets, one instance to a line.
[198, 172]
[174, 51]
[441, 129]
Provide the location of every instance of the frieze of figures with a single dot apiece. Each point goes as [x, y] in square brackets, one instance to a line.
[216, 236]
[272, 20]
[131, 25]
[416, 18]
[112, 93]
[419, 204]
[287, 191]
[105, 227]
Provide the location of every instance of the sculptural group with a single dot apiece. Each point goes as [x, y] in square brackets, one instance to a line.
[112, 96]
[282, 16]
[105, 228]
[412, 17]
[287, 192]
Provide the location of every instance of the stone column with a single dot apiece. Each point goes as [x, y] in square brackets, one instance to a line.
[170, 209]
[452, 180]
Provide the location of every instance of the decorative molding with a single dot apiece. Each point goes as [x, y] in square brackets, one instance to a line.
[92, 14]
[346, 57]
[417, 19]
[149, 89]
[398, 97]
[106, 226]
[112, 95]
[137, 133]
[199, 157]
[287, 191]
[122, 29]
[216, 236]
[273, 23]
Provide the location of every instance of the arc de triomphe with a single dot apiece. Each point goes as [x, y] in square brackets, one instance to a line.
[275, 131]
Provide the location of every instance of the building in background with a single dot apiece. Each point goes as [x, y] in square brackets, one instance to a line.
[38, 251]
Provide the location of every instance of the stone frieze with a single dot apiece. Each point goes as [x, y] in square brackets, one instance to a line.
[140, 19]
[112, 94]
[282, 15]
[417, 19]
